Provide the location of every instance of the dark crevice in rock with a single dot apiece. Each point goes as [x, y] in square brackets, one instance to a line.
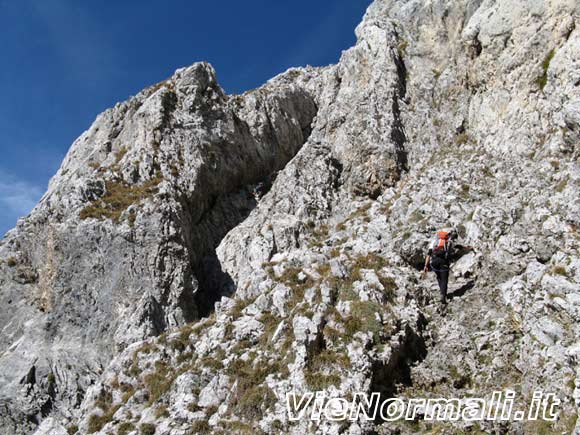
[202, 231]
[213, 284]
[475, 48]
[169, 103]
[153, 310]
[397, 131]
[388, 378]
[48, 405]
[222, 214]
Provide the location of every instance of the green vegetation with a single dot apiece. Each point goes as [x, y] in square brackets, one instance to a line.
[11, 262]
[134, 370]
[200, 427]
[402, 47]
[389, 287]
[416, 216]
[252, 402]
[368, 261]
[239, 428]
[363, 318]
[128, 391]
[98, 421]
[94, 165]
[559, 270]
[239, 306]
[270, 322]
[161, 411]
[252, 397]
[314, 373]
[120, 154]
[118, 197]
[163, 83]
[318, 234]
[147, 429]
[125, 427]
[294, 73]
[159, 382]
[360, 212]
[290, 278]
[543, 79]
[215, 361]
[72, 429]
[461, 138]
[181, 342]
[104, 400]
[319, 381]
[564, 424]
[561, 186]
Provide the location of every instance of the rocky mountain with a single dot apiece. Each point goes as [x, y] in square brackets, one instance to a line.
[149, 292]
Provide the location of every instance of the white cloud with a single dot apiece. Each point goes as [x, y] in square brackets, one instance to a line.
[17, 198]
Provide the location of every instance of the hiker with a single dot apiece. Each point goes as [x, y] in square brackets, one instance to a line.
[264, 186]
[438, 259]
[259, 190]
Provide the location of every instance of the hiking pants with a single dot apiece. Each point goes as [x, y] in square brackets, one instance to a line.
[442, 279]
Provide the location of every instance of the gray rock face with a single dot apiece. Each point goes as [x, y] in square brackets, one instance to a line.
[148, 287]
[114, 251]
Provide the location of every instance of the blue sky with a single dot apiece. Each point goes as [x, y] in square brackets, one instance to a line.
[65, 61]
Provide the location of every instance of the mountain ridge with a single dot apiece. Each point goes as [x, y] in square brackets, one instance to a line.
[150, 225]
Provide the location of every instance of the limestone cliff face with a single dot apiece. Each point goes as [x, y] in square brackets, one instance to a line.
[149, 289]
[116, 250]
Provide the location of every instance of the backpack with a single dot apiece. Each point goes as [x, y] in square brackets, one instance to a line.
[442, 244]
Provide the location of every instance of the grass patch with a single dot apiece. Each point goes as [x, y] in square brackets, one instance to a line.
[212, 363]
[461, 138]
[369, 261]
[561, 186]
[543, 79]
[147, 429]
[128, 391]
[252, 398]
[389, 287]
[363, 318]
[118, 197]
[254, 401]
[125, 427]
[318, 234]
[119, 154]
[181, 342]
[159, 382]
[290, 278]
[97, 421]
[239, 306]
[402, 47]
[200, 427]
[319, 382]
[270, 322]
[161, 411]
[559, 270]
[360, 212]
[564, 424]
[317, 363]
